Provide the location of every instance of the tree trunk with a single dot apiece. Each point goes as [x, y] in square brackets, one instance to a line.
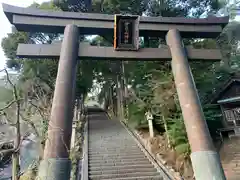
[16, 155]
[15, 166]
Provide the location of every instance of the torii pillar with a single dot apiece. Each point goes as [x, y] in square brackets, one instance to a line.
[205, 160]
[56, 164]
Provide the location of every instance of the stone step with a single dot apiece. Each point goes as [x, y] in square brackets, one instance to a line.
[105, 168]
[137, 178]
[128, 145]
[102, 153]
[235, 161]
[125, 175]
[229, 166]
[118, 163]
[110, 138]
[122, 171]
[118, 156]
[237, 155]
[109, 147]
[109, 141]
[114, 135]
[237, 169]
[118, 132]
[99, 144]
[105, 130]
[114, 155]
[118, 145]
[117, 160]
[117, 150]
[134, 152]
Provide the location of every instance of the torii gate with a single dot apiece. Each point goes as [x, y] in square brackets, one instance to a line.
[56, 163]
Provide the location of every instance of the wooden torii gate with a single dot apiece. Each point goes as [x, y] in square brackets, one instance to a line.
[56, 163]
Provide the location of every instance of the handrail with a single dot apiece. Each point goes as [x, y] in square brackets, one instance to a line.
[84, 170]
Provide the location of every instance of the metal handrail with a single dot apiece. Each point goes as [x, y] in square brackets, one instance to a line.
[84, 168]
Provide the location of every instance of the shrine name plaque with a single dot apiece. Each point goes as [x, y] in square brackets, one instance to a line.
[126, 33]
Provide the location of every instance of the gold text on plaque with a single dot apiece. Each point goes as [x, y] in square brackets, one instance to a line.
[126, 33]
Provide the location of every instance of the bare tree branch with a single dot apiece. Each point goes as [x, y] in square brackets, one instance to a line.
[7, 75]
[38, 109]
[15, 150]
[31, 124]
[10, 104]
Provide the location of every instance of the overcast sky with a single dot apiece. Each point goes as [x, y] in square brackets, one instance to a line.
[6, 26]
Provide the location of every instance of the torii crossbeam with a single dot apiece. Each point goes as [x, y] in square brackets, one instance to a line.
[86, 52]
[35, 20]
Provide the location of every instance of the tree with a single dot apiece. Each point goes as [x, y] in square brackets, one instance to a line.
[136, 7]
[172, 8]
[73, 5]
[10, 44]
[24, 117]
[17, 143]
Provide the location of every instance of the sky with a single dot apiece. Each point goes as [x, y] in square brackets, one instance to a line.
[6, 26]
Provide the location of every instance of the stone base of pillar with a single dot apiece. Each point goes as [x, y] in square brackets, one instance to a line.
[54, 169]
[207, 166]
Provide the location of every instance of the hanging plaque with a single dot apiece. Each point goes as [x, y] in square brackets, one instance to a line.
[126, 32]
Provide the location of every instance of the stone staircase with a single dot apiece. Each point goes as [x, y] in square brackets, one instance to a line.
[113, 154]
[230, 157]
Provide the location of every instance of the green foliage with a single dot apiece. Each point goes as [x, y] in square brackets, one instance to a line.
[71, 5]
[136, 116]
[178, 137]
[46, 6]
[183, 148]
[173, 8]
[125, 6]
[213, 117]
[177, 134]
[10, 44]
